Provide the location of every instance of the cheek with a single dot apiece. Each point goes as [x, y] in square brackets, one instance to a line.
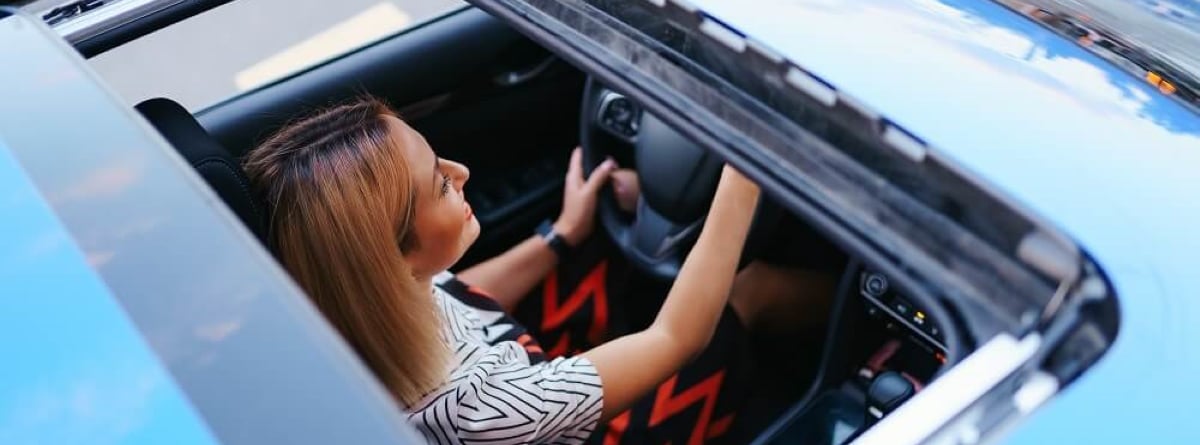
[447, 228]
[443, 234]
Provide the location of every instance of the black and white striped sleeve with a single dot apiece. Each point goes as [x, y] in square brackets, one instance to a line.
[502, 399]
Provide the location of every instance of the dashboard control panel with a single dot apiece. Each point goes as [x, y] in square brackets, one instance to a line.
[619, 116]
[886, 303]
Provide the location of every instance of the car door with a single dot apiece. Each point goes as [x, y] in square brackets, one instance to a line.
[479, 91]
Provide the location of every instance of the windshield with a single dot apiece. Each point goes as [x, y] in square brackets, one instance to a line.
[1156, 40]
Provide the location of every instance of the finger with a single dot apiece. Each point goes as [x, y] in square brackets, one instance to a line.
[625, 180]
[575, 168]
[599, 176]
[625, 190]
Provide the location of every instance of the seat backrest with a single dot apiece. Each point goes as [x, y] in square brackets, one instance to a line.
[219, 169]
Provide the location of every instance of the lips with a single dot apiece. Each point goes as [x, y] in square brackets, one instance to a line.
[469, 213]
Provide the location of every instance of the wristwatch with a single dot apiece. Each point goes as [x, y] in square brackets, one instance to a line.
[554, 240]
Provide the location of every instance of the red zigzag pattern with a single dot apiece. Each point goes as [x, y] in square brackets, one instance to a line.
[555, 314]
[667, 405]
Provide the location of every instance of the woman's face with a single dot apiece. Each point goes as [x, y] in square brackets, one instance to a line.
[443, 224]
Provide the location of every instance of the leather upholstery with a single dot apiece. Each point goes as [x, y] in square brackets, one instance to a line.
[213, 162]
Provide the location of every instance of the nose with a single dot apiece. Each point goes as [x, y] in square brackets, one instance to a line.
[460, 173]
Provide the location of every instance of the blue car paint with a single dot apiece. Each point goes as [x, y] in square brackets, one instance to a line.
[75, 368]
[1082, 143]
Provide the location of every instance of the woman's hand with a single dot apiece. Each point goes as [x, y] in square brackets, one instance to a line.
[626, 189]
[689, 315]
[578, 215]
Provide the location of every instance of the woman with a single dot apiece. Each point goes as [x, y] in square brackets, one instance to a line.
[366, 218]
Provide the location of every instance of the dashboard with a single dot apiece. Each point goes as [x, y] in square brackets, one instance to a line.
[887, 305]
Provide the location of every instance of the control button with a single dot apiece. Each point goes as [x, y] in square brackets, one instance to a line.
[620, 110]
[619, 116]
[901, 307]
[875, 285]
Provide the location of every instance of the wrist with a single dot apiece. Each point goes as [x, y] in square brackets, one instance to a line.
[569, 233]
[554, 240]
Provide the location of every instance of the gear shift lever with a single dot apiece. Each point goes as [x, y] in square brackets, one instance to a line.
[887, 391]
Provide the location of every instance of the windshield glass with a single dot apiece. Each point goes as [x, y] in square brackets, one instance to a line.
[1156, 40]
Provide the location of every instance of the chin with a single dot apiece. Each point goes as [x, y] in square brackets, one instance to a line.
[470, 235]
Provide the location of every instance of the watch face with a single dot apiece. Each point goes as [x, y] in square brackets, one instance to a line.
[545, 229]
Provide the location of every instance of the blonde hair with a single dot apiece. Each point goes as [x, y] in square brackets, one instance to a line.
[343, 199]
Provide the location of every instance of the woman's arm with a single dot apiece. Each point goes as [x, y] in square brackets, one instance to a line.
[508, 277]
[631, 366]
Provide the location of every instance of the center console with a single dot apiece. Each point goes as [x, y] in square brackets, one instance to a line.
[881, 349]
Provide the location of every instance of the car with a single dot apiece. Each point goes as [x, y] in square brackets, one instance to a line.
[1011, 211]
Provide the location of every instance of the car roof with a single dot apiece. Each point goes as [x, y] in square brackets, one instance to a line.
[1079, 141]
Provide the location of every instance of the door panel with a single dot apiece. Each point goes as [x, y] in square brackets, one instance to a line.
[479, 92]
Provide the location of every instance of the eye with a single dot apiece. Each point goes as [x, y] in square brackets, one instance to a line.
[445, 184]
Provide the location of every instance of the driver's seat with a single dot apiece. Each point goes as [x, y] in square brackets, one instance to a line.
[220, 170]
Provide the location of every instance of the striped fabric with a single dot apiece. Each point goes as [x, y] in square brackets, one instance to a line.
[501, 393]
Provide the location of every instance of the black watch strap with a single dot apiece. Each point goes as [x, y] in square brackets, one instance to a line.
[554, 240]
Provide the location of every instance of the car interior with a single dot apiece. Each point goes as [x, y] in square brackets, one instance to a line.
[483, 94]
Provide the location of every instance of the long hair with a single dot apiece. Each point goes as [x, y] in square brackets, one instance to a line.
[342, 200]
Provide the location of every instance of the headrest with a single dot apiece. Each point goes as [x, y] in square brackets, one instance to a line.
[219, 169]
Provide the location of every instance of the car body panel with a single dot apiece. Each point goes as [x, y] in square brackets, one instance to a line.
[78, 371]
[1077, 140]
[252, 355]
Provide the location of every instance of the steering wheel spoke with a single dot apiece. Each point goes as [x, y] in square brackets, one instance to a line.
[678, 180]
[658, 244]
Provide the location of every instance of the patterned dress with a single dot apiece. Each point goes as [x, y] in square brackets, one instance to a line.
[521, 379]
[503, 390]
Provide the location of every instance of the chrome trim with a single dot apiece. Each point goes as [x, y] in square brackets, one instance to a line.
[952, 394]
[522, 75]
[108, 17]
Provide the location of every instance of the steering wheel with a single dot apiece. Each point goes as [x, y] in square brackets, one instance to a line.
[678, 180]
